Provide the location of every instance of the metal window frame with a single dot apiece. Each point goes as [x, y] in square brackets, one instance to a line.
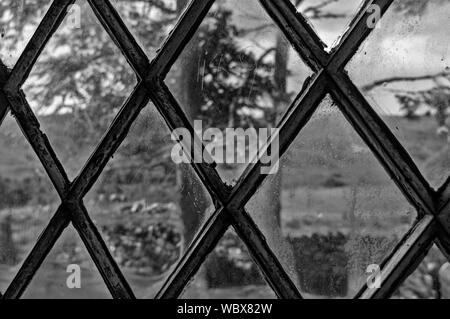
[433, 225]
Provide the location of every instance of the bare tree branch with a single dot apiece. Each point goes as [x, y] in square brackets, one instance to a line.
[371, 86]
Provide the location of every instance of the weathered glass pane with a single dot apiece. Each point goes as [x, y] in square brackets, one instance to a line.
[18, 21]
[147, 208]
[78, 85]
[328, 18]
[240, 73]
[403, 70]
[331, 211]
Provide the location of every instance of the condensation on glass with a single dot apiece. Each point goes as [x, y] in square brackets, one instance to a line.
[403, 69]
[332, 211]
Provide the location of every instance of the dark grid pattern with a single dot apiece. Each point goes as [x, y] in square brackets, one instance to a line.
[433, 224]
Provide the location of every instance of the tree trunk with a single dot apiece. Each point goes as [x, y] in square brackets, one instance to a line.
[265, 206]
[268, 200]
[193, 200]
[8, 251]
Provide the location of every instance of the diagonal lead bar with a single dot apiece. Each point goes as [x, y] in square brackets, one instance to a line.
[4, 108]
[383, 144]
[92, 239]
[298, 31]
[443, 216]
[30, 126]
[199, 250]
[175, 118]
[51, 21]
[251, 184]
[36, 257]
[31, 129]
[95, 165]
[179, 37]
[118, 31]
[42, 148]
[358, 31]
[206, 240]
[304, 107]
[95, 245]
[263, 255]
[110, 141]
[253, 239]
[204, 243]
[409, 178]
[405, 259]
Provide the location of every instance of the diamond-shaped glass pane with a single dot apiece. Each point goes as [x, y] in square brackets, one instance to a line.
[431, 280]
[28, 200]
[329, 18]
[147, 208]
[150, 22]
[229, 273]
[403, 69]
[68, 272]
[78, 85]
[331, 211]
[238, 72]
[18, 21]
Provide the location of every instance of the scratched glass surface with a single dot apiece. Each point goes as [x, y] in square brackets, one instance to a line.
[237, 72]
[403, 70]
